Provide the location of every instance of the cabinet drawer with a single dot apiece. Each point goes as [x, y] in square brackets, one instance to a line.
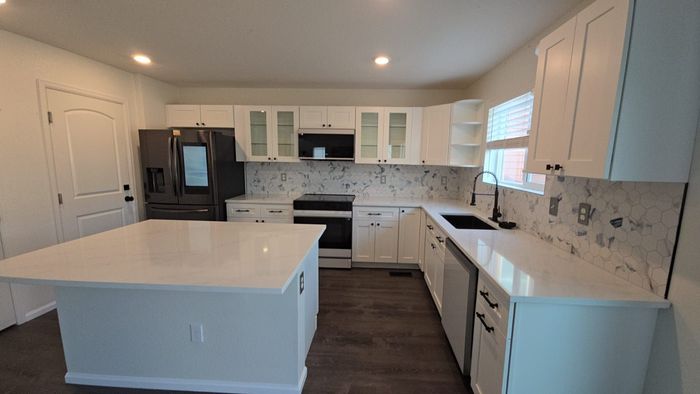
[495, 302]
[276, 211]
[488, 353]
[382, 213]
[242, 211]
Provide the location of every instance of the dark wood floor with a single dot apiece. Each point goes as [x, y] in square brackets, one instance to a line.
[376, 334]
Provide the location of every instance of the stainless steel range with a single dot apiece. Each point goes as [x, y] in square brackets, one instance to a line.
[335, 211]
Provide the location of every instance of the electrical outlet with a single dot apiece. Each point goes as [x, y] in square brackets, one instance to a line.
[197, 332]
[283, 177]
[382, 179]
[584, 213]
[443, 180]
[554, 206]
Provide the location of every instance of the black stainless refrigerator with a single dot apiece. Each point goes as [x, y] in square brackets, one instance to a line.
[189, 173]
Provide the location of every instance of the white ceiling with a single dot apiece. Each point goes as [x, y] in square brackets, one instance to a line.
[291, 43]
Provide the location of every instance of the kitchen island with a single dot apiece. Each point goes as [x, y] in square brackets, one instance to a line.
[184, 305]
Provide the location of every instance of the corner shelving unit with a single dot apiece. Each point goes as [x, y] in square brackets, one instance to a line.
[466, 133]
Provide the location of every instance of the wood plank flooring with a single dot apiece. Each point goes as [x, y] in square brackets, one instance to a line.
[376, 334]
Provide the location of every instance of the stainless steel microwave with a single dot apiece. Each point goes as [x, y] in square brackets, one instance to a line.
[329, 144]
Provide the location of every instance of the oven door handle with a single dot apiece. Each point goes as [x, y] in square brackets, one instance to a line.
[322, 214]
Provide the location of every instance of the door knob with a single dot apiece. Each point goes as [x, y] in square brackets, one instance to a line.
[128, 198]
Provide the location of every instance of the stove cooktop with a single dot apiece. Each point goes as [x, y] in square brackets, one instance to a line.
[327, 197]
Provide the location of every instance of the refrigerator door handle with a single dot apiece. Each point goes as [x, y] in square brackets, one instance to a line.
[180, 165]
[175, 163]
[173, 177]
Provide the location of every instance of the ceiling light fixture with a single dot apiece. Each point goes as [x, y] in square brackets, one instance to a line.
[381, 60]
[142, 59]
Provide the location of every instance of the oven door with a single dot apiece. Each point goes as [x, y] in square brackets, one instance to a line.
[336, 241]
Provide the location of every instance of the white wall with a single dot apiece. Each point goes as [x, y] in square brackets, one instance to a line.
[674, 365]
[27, 220]
[288, 96]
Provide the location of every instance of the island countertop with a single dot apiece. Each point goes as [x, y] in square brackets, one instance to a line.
[174, 255]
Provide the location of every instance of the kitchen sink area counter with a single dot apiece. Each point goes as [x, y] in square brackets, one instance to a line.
[527, 268]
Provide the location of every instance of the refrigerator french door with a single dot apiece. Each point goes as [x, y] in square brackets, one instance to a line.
[188, 173]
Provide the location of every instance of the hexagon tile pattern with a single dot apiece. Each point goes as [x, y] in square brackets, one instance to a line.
[636, 248]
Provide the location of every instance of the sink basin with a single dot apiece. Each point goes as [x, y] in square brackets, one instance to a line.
[467, 222]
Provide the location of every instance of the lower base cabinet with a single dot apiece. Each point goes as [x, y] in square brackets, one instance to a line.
[386, 235]
[555, 347]
[259, 213]
[434, 266]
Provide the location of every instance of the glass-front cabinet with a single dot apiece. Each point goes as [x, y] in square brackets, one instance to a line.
[285, 124]
[384, 135]
[270, 133]
[369, 123]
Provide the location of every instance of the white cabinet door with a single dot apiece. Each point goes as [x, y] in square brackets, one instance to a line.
[439, 267]
[488, 355]
[430, 255]
[285, 123]
[257, 124]
[409, 235]
[182, 115]
[7, 310]
[369, 135]
[548, 117]
[386, 241]
[435, 144]
[397, 135]
[422, 232]
[312, 117]
[593, 93]
[363, 240]
[340, 117]
[216, 116]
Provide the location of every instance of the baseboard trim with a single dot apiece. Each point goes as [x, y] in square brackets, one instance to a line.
[34, 313]
[219, 386]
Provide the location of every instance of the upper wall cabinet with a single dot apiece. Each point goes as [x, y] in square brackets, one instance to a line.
[327, 117]
[268, 133]
[386, 135]
[199, 116]
[435, 139]
[618, 103]
[453, 134]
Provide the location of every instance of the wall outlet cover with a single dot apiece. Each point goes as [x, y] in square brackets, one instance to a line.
[584, 213]
[443, 180]
[554, 206]
[283, 176]
[382, 179]
[197, 332]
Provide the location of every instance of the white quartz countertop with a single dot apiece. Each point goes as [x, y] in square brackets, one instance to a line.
[174, 255]
[262, 199]
[526, 267]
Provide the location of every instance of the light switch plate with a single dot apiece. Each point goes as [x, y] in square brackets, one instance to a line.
[554, 206]
[584, 213]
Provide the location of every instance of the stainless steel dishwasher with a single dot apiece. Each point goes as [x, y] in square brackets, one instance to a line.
[458, 303]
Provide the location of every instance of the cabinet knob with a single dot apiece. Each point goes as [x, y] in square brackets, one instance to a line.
[274, 158]
[263, 221]
[371, 224]
[197, 123]
[329, 125]
[379, 161]
[269, 158]
[204, 124]
[402, 211]
[323, 125]
[558, 167]
[423, 161]
[385, 160]
[377, 224]
[548, 167]
[256, 220]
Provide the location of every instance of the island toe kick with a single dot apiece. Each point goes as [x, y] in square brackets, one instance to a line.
[191, 340]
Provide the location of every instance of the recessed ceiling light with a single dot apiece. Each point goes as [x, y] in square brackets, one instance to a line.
[143, 59]
[381, 60]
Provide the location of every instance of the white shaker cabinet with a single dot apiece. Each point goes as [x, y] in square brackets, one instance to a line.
[326, 117]
[435, 136]
[616, 102]
[386, 241]
[259, 213]
[268, 133]
[186, 115]
[409, 235]
[385, 135]
[375, 234]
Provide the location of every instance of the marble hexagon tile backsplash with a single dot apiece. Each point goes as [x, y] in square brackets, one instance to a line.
[632, 228]
[349, 178]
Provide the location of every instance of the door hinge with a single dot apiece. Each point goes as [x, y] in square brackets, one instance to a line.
[50, 117]
[60, 198]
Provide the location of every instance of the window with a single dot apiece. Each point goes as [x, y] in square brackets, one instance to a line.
[506, 145]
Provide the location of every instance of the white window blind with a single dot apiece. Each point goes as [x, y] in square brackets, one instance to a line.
[506, 144]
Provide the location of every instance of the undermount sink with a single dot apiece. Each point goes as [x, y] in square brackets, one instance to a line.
[470, 222]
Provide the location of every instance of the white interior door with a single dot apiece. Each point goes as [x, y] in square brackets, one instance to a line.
[89, 141]
[7, 309]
